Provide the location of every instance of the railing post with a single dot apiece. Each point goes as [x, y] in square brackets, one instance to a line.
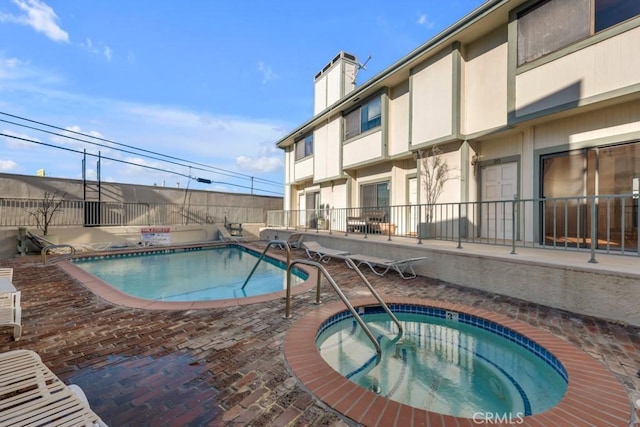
[318, 279]
[513, 226]
[459, 226]
[593, 232]
[419, 221]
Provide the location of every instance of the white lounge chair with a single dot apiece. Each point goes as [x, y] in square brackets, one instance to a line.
[225, 236]
[314, 249]
[294, 241]
[11, 312]
[6, 273]
[404, 267]
[30, 394]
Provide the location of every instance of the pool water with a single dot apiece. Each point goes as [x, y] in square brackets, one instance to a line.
[194, 275]
[443, 365]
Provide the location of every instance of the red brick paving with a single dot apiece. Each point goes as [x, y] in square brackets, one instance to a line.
[225, 366]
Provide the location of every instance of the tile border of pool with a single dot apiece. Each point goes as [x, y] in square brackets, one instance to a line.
[116, 296]
[594, 396]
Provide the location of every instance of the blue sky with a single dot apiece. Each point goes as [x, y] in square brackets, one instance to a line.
[212, 83]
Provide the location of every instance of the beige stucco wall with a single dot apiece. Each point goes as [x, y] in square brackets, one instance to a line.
[362, 149]
[320, 94]
[244, 208]
[303, 169]
[34, 187]
[326, 150]
[618, 123]
[398, 122]
[432, 99]
[485, 83]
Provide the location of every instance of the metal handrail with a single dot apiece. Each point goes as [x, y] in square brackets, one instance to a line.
[45, 250]
[353, 266]
[323, 270]
[342, 296]
[271, 243]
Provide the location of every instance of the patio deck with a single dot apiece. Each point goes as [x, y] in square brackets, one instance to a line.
[225, 366]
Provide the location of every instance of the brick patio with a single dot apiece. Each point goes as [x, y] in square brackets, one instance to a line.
[225, 366]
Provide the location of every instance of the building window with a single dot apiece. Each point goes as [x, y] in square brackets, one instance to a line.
[612, 12]
[374, 195]
[551, 25]
[367, 116]
[304, 147]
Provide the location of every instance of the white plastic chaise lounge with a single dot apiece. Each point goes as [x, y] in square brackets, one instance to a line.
[294, 241]
[225, 236]
[6, 273]
[314, 249]
[30, 394]
[380, 266]
[10, 310]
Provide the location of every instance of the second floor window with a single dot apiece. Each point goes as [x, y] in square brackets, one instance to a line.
[304, 147]
[368, 116]
[551, 25]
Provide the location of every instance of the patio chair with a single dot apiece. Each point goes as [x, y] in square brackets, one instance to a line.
[226, 236]
[6, 273]
[294, 241]
[314, 249]
[11, 312]
[30, 394]
[380, 266]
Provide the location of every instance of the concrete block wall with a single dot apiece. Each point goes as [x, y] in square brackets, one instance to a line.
[548, 277]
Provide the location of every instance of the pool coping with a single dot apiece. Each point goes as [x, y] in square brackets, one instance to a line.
[593, 397]
[118, 297]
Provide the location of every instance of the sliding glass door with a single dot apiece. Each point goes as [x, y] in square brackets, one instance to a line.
[600, 171]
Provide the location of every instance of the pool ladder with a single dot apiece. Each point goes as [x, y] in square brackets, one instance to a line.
[336, 288]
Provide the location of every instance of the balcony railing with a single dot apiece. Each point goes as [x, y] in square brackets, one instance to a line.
[605, 223]
[24, 213]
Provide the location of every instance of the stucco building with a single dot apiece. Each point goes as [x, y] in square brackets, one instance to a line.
[525, 99]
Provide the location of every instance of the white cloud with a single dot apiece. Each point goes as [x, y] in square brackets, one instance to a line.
[19, 141]
[39, 16]
[268, 159]
[267, 72]
[131, 58]
[18, 74]
[9, 68]
[74, 140]
[229, 143]
[100, 49]
[7, 165]
[424, 20]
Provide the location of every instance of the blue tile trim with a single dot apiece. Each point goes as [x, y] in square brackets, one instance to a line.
[468, 319]
[281, 264]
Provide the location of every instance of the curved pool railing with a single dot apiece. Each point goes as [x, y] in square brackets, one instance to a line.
[342, 296]
[353, 266]
[49, 249]
[280, 243]
[325, 273]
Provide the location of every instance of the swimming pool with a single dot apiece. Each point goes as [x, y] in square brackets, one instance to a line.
[444, 362]
[190, 274]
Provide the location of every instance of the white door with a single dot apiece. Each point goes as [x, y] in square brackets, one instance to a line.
[499, 182]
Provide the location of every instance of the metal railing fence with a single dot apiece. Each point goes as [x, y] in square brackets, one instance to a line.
[605, 223]
[27, 213]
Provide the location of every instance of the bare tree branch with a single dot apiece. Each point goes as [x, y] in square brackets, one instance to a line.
[435, 175]
[46, 209]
